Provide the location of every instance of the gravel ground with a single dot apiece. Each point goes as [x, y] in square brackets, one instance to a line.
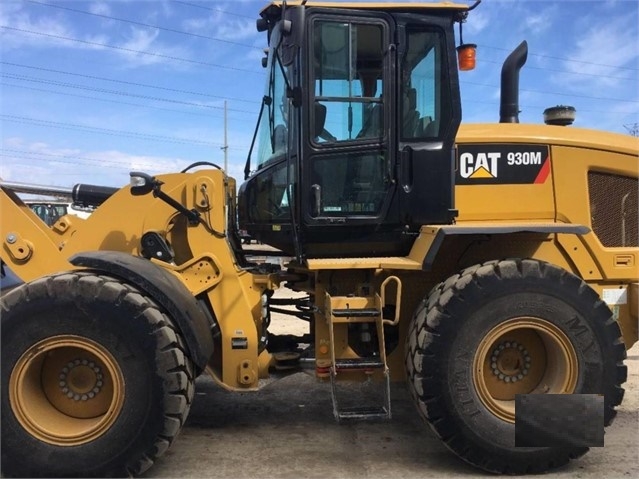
[287, 430]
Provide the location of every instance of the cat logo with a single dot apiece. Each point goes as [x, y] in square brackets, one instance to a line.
[483, 165]
[517, 164]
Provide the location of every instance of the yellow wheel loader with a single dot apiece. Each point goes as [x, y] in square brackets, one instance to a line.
[478, 264]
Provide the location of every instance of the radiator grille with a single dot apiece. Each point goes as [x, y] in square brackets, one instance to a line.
[613, 206]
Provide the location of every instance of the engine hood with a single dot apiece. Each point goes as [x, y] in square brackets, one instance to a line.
[547, 134]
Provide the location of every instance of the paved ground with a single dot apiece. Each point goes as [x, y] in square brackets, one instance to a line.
[287, 430]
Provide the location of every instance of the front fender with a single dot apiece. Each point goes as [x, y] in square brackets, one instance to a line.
[193, 321]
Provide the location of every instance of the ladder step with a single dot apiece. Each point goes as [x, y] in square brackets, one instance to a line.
[359, 413]
[356, 404]
[356, 313]
[358, 364]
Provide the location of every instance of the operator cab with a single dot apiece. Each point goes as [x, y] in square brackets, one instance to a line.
[354, 142]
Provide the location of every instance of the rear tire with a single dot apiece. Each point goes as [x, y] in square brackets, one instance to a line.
[95, 378]
[505, 328]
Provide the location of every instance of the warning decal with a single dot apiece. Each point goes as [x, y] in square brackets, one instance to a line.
[502, 164]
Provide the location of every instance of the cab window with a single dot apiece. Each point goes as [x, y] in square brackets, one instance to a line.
[348, 82]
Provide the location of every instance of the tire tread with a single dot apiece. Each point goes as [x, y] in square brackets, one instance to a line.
[172, 361]
[434, 319]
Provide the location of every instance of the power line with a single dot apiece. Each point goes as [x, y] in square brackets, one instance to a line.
[625, 100]
[33, 155]
[130, 50]
[598, 75]
[564, 59]
[524, 106]
[44, 90]
[124, 82]
[109, 131]
[57, 158]
[142, 24]
[213, 9]
[114, 92]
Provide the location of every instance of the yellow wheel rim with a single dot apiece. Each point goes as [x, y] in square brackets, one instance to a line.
[66, 390]
[523, 355]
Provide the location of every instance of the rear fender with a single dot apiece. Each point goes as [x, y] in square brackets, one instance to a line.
[427, 246]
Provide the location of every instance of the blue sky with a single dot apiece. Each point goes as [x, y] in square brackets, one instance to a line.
[91, 90]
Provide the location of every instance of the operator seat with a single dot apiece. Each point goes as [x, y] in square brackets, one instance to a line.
[411, 115]
[373, 123]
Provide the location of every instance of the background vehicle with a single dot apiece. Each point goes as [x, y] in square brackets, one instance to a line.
[49, 212]
[476, 263]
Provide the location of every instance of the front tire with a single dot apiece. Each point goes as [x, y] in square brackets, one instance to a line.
[95, 378]
[505, 328]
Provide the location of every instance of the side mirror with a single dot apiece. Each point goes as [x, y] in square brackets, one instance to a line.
[141, 183]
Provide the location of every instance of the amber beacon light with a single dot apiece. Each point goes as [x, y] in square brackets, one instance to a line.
[466, 56]
[466, 52]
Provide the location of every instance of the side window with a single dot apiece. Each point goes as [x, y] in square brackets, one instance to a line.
[347, 77]
[424, 104]
[269, 200]
[273, 129]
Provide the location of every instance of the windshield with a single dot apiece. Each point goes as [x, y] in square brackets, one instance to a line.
[273, 128]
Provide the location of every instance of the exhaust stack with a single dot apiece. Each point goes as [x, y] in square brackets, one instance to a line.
[509, 105]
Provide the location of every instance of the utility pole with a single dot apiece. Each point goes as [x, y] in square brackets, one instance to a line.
[226, 145]
[633, 130]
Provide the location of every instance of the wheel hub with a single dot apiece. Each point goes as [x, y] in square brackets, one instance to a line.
[510, 361]
[524, 355]
[66, 390]
[81, 380]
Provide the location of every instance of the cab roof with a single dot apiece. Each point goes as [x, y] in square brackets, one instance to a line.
[273, 7]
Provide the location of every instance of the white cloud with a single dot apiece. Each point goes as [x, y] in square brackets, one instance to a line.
[100, 8]
[53, 166]
[22, 31]
[197, 25]
[140, 39]
[237, 29]
[25, 29]
[539, 22]
[599, 53]
[477, 22]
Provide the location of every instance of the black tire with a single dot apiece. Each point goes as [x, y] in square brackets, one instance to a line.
[463, 317]
[112, 354]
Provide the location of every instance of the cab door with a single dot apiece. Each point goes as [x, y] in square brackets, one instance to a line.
[348, 172]
[429, 113]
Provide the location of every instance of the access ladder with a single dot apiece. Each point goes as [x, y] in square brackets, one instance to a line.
[340, 311]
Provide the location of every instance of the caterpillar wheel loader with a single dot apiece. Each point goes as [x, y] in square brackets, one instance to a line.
[477, 264]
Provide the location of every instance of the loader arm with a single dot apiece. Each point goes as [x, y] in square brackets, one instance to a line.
[29, 247]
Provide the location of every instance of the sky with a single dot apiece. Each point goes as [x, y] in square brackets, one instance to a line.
[91, 90]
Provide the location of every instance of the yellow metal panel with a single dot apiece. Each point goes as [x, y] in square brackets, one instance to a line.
[547, 134]
[423, 243]
[510, 201]
[400, 263]
[488, 202]
[199, 274]
[571, 167]
[28, 244]
[580, 256]
[391, 262]
[505, 202]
